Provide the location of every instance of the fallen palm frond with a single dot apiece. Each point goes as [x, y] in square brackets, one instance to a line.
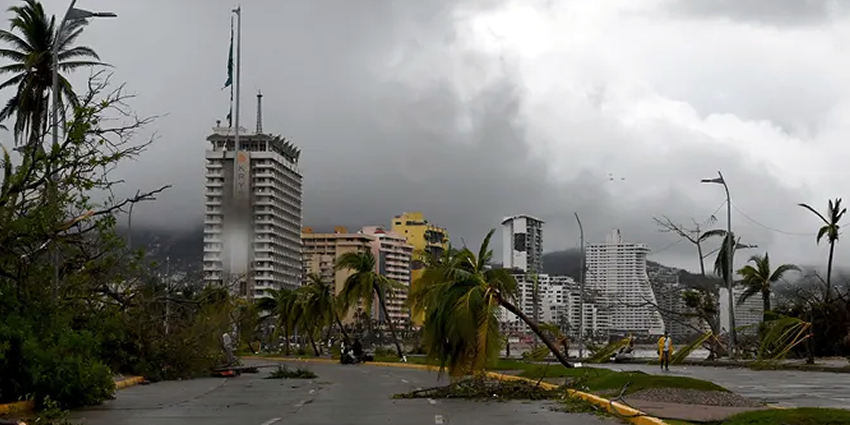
[681, 354]
[480, 388]
[781, 336]
[603, 355]
[283, 372]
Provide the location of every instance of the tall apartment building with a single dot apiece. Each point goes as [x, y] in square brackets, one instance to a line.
[747, 314]
[616, 272]
[392, 255]
[426, 239]
[668, 293]
[522, 244]
[321, 251]
[558, 303]
[252, 227]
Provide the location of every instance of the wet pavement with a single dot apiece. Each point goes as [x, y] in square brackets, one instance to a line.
[341, 395]
[780, 387]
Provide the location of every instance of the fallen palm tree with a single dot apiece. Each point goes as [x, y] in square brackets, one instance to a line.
[603, 355]
[681, 354]
[781, 336]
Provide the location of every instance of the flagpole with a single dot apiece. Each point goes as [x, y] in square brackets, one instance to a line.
[238, 12]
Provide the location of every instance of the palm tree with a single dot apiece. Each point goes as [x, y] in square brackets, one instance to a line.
[30, 39]
[282, 306]
[364, 284]
[320, 304]
[758, 277]
[460, 296]
[829, 229]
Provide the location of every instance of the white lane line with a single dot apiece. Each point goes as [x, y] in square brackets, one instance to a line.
[438, 419]
[301, 403]
[270, 421]
[405, 381]
[432, 401]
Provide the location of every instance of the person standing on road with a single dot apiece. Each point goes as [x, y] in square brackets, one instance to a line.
[228, 348]
[665, 350]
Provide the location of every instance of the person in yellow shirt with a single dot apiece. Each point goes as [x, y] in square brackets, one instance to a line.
[665, 350]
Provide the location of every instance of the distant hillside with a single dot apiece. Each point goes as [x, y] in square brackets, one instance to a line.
[568, 262]
[184, 248]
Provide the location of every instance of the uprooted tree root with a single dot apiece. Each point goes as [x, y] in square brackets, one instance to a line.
[483, 388]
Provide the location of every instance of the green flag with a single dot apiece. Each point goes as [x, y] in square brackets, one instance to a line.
[229, 81]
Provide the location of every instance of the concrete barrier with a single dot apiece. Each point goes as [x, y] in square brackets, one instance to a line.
[622, 411]
[28, 406]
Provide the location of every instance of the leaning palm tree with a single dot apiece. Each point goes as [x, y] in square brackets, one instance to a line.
[758, 278]
[30, 40]
[364, 284]
[282, 307]
[321, 306]
[460, 296]
[830, 229]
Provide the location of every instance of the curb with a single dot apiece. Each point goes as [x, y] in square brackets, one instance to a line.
[29, 405]
[17, 407]
[621, 411]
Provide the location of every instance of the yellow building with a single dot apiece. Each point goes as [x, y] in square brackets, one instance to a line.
[426, 238]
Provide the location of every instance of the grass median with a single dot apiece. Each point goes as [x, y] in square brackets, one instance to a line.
[605, 381]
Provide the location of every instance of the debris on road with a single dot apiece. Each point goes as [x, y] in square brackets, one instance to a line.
[482, 388]
[284, 372]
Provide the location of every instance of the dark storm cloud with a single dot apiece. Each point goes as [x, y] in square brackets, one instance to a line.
[770, 12]
[374, 145]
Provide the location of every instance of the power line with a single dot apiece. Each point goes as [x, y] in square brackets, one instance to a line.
[668, 246]
[772, 229]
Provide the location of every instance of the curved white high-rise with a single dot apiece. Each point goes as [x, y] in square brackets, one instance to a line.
[616, 276]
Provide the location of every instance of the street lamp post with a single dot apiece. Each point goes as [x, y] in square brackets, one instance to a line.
[71, 14]
[730, 250]
[581, 292]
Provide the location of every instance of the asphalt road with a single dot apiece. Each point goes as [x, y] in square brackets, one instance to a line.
[341, 395]
[781, 387]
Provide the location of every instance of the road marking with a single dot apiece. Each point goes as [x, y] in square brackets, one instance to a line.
[405, 381]
[432, 401]
[270, 421]
[313, 391]
[438, 419]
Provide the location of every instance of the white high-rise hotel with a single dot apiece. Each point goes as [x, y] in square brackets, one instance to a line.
[252, 226]
[616, 270]
[522, 244]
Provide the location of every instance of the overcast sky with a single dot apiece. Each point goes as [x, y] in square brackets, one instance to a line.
[471, 110]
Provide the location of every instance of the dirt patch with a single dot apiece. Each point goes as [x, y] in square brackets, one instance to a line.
[687, 396]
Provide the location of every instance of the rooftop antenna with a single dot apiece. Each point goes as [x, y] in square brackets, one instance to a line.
[259, 112]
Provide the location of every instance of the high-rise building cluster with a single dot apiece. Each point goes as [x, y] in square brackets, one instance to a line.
[254, 241]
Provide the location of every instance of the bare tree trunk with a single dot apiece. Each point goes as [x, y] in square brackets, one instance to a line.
[829, 272]
[341, 327]
[765, 300]
[701, 259]
[536, 329]
[286, 348]
[316, 350]
[390, 324]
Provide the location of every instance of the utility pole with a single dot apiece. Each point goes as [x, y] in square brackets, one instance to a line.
[581, 291]
[167, 290]
[730, 253]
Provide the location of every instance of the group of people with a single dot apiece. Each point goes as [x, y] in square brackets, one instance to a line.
[351, 354]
